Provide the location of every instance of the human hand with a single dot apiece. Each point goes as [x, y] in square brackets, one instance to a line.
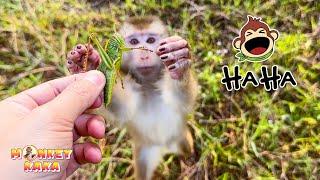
[52, 115]
[175, 54]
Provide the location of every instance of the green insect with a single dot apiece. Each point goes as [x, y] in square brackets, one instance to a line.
[111, 59]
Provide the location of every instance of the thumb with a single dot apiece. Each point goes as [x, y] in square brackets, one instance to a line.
[77, 97]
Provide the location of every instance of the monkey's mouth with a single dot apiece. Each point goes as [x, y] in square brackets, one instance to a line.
[257, 45]
[146, 69]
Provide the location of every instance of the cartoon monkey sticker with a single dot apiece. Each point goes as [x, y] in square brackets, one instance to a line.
[29, 153]
[256, 41]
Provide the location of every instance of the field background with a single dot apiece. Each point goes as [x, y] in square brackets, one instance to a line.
[249, 134]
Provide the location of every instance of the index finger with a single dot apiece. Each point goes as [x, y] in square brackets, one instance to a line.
[43, 93]
[170, 39]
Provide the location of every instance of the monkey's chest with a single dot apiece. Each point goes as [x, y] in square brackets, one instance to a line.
[157, 121]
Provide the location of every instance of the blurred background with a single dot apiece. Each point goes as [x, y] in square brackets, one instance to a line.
[248, 134]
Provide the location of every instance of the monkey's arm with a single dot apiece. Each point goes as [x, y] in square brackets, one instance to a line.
[174, 52]
[181, 92]
[120, 107]
[187, 88]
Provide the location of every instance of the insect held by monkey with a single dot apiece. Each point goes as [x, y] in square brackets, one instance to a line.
[160, 91]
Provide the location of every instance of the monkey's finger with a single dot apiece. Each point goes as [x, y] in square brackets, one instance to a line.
[180, 65]
[172, 57]
[73, 67]
[89, 47]
[94, 59]
[173, 46]
[89, 125]
[177, 69]
[74, 56]
[170, 39]
[80, 48]
[83, 153]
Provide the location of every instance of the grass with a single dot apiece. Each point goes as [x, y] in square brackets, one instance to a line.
[251, 134]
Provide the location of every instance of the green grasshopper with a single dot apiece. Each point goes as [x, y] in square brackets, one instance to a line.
[111, 59]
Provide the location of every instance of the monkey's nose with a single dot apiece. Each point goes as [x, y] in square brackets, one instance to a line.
[143, 58]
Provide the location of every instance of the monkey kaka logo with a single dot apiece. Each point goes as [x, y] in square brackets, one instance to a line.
[256, 41]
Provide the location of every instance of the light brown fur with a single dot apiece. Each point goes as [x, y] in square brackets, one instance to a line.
[142, 22]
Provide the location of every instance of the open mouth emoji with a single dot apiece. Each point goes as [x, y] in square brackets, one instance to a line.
[257, 45]
[256, 41]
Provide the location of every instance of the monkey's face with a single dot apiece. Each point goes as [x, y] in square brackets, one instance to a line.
[144, 64]
[29, 150]
[257, 43]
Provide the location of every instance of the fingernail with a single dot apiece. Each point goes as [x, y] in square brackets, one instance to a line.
[96, 158]
[78, 47]
[163, 57]
[101, 123]
[72, 53]
[95, 77]
[162, 49]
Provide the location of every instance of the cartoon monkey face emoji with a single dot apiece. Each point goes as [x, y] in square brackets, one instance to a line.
[29, 150]
[29, 153]
[256, 41]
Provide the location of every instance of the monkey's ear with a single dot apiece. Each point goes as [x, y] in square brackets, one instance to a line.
[250, 18]
[236, 43]
[274, 33]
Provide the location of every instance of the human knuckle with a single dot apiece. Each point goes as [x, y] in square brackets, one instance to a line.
[176, 37]
[42, 110]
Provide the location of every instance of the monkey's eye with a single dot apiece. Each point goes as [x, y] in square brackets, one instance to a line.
[134, 41]
[261, 31]
[151, 40]
[248, 33]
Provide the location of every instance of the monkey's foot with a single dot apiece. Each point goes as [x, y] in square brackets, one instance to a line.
[82, 58]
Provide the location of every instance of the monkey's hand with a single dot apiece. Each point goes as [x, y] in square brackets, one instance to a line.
[175, 54]
[76, 59]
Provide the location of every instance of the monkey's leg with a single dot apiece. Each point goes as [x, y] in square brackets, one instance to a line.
[82, 58]
[187, 150]
[147, 158]
[186, 144]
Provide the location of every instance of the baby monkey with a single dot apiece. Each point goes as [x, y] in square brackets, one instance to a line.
[159, 91]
